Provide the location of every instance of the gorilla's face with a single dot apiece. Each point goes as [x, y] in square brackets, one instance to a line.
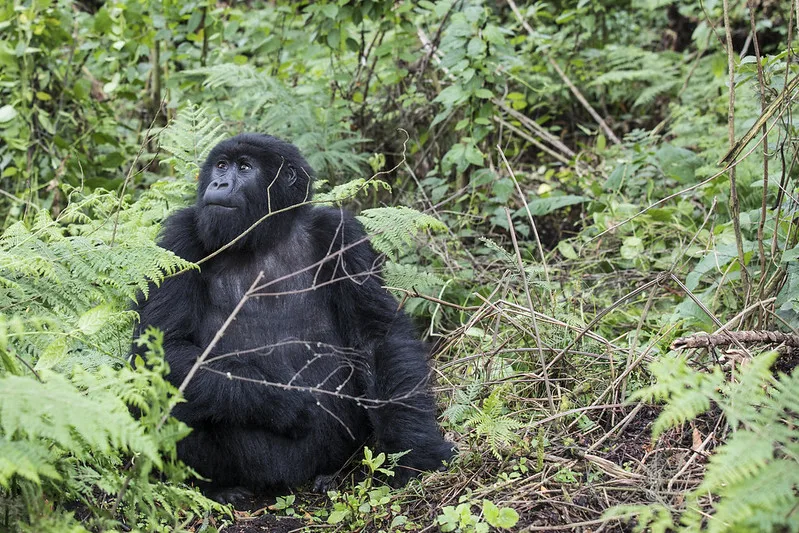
[247, 179]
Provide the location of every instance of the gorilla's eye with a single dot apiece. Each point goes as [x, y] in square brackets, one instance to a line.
[221, 165]
[244, 167]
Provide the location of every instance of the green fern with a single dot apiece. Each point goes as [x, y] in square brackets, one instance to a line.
[687, 393]
[65, 290]
[189, 139]
[411, 278]
[493, 423]
[56, 411]
[754, 476]
[463, 404]
[301, 115]
[73, 439]
[393, 228]
[348, 190]
[31, 460]
[627, 66]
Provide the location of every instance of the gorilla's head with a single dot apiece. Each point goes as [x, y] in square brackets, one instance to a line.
[244, 179]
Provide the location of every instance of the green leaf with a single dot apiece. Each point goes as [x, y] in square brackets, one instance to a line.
[95, 318]
[55, 352]
[616, 177]
[632, 248]
[330, 10]
[194, 21]
[493, 34]
[504, 518]
[678, 163]
[544, 206]
[337, 516]
[567, 250]
[476, 47]
[790, 255]
[473, 155]
[454, 94]
[7, 113]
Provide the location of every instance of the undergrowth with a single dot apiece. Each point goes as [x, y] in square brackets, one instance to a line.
[600, 250]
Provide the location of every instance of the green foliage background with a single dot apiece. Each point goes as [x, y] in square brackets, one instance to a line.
[545, 184]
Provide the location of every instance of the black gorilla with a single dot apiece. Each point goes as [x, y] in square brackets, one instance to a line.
[318, 362]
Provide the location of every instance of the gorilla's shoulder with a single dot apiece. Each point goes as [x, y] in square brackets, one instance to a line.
[179, 234]
[334, 229]
[327, 222]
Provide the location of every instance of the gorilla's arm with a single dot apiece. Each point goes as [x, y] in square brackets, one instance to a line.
[176, 307]
[369, 317]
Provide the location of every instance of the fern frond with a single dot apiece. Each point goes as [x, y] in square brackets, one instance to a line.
[52, 273]
[754, 476]
[688, 393]
[411, 278]
[189, 138]
[228, 75]
[29, 459]
[490, 422]
[394, 228]
[346, 191]
[654, 518]
[464, 403]
[55, 410]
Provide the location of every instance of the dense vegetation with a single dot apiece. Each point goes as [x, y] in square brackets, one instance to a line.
[599, 181]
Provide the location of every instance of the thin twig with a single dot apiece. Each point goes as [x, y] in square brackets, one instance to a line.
[735, 208]
[532, 223]
[538, 341]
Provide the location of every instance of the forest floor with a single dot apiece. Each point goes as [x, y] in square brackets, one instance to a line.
[580, 478]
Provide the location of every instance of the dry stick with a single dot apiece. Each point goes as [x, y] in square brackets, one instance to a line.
[760, 303]
[574, 411]
[764, 199]
[707, 311]
[735, 208]
[555, 322]
[628, 370]
[784, 175]
[415, 294]
[781, 101]
[531, 140]
[614, 429]
[566, 80]
[532, 222]
[699, 451]
[524, 330]
[536, 128]
[706, 340]
[634, 343]
[523, 274]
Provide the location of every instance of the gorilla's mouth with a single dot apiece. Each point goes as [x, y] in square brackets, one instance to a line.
[224, 206]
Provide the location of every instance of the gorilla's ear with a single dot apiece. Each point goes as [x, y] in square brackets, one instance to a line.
[292, 175]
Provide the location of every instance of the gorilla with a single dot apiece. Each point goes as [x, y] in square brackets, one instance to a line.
[318, 360]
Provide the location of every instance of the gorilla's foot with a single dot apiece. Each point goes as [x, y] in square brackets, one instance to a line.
[238, 497]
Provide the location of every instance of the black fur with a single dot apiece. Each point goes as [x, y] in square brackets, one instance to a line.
[330, 327]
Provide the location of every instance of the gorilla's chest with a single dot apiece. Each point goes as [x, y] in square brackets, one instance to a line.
[280, 300]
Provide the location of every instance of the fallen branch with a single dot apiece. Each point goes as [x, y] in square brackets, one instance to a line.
[705, 340]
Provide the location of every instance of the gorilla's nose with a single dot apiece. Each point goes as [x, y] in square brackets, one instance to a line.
[218, 192]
